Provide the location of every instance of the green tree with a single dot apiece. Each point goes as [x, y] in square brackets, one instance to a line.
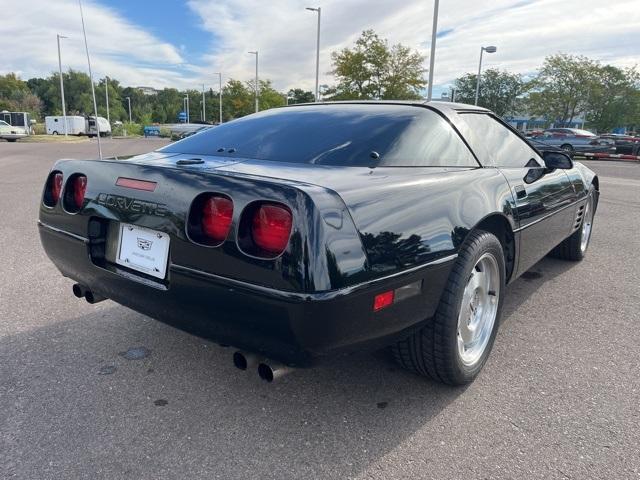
[613, 100]
[373, 70]
[562, 88]
[237, 100]
[499, 90]
[297, 95]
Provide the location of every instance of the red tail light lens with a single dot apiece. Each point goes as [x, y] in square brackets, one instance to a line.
[79, 189]
[217, 213]
[55, 187]
[271, 228]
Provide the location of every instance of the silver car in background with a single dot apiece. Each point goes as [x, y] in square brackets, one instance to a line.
[576, 140]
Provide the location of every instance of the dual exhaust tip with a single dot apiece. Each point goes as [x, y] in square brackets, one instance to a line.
[267, 370]
[83, 292]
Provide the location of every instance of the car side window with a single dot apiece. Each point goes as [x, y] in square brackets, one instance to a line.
[506, 148]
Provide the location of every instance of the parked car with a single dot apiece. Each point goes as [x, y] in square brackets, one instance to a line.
[575, 140]
[11, 133]
[314, 230]
[625, 144]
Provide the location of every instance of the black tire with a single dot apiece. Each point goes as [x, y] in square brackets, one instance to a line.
[55, 132]
[567, 148]
[572, 247]
[11, 139]
[433, 350]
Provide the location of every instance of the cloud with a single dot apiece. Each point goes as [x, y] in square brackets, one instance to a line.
[118, 48]
[525, 31]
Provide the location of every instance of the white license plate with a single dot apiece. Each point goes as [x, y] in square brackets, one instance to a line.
[143, 249]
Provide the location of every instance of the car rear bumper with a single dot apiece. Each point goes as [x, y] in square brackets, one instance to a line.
[294, 328]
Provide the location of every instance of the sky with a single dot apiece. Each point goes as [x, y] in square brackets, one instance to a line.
[171, 43]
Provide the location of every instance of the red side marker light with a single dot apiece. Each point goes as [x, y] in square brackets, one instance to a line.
[382, 300]
[136, 184]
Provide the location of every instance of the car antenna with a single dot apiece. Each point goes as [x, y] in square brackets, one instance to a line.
[93, 90]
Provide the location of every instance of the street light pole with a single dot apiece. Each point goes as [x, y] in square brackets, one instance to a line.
[203, 107]
[220, 94]
[106, 91]
[129, 103]
[432, 57]
[490, 49]
[257, 87]
[64, 108]
[186, 102]
[317, 51]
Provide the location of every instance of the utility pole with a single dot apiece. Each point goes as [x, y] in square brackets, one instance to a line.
[203, 107]
[317, 51]
[220, 94]
[64, 108]
[106, 91]
[257, 87]
[432, 58]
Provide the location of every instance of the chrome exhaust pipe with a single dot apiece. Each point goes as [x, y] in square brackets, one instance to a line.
[93, 298]
[243, 360]
[272, 371]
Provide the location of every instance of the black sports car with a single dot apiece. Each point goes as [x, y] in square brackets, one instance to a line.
[312, 230]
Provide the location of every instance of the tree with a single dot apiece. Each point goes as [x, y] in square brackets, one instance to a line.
[373, 70]
[613, 100]
[297, 95]
[16, 96]
[499, 90]
[562, 88]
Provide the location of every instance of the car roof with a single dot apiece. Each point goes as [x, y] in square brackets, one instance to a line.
[440, 105]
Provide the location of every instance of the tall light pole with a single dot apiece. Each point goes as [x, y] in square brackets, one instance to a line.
[317, 50]
[432, 57]
[106, 91]
[93, 89]
[64, 108]
[185, 102]
[490, 49]
[220, 93]
[203, 107]
[257, 87]
[129, 103]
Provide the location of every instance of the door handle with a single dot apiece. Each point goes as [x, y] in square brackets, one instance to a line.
[520, 191]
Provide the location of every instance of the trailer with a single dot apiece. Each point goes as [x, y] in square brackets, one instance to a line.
[75, 125]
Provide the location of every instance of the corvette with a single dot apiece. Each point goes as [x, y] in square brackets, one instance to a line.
[308, 231]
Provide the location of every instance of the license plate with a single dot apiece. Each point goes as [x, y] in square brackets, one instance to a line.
[143, 249]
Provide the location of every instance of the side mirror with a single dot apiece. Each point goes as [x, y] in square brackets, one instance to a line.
[553, 160]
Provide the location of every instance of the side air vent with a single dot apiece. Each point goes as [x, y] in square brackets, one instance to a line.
[579, 215]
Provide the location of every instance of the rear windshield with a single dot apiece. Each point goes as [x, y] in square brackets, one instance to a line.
[345, 135]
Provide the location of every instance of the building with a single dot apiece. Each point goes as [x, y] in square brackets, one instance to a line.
[148, 90]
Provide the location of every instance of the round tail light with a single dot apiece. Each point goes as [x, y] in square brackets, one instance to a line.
[217, 213]
[271, 228]
[79, 189]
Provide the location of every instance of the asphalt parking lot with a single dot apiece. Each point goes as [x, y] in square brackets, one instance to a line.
[559, 397]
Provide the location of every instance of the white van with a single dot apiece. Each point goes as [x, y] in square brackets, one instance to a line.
[76, 125]
[103, 126]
